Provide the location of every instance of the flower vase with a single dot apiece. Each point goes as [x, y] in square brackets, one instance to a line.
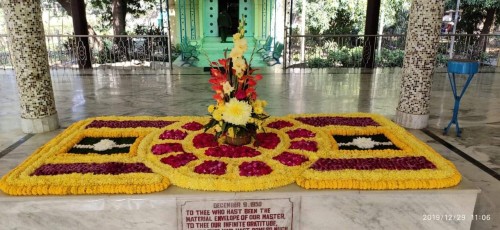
[242, 138]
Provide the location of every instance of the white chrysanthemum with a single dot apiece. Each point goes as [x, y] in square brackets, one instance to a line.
[364, 143]
[227, 88]
[237, 112]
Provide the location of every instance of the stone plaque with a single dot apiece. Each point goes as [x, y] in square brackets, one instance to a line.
[244, 214]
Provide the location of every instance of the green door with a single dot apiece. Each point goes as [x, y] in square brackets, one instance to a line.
[211, 12]
[246, 10]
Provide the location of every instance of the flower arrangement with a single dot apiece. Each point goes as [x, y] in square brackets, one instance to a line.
[315, 151]
[237, 112]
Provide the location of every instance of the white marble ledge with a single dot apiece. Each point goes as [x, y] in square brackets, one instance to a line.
[317, 209]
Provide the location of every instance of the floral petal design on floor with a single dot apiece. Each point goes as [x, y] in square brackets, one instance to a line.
[106, 155]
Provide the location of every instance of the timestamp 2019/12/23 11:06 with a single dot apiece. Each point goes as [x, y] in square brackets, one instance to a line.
[455, 217]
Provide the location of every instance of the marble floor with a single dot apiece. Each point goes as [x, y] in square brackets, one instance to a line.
[83, 94]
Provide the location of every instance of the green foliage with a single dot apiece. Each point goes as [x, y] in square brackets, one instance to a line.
[351, 57]
[346, 57]
[474, 13]
[333, 16]
[319, 63]
[390, 58]
[396, 15]
[103, 8]
[145, 30]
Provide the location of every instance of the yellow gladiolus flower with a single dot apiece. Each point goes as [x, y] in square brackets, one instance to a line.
[236, 37]
[241, 44]
[236, 53]
[239, 64]
[217, 128]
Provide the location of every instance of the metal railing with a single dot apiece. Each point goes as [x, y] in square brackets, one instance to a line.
[326, 51]
[321, 51]
[125, 51]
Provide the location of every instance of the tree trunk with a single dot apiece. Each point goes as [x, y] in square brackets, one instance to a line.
[119, 12]
[487, 26]
[80, 27]
[66, 5]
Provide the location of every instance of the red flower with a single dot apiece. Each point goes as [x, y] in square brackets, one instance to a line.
[179, 160]
[254, 168]
[193, 126]
[204, 140]
[211, 167]
[232, 151]
[304, 145]
[297, 133]
[290, 159]
[240, 94]
[267, 140]
[279, 124]
[166, 148]
[173, 134]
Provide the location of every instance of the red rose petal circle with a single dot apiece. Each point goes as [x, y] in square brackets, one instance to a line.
[231, 151]
[204, 140]
[267, 140]
[179, 160]
[291, 159]
[173, 135]
[279, 124]
[304, 145]
[193, 126]
[166, 148]
[211, 167]
[254, 168]
[298, 133]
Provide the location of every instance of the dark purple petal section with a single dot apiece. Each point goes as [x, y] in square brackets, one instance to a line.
[298, 133]
[211, 167]
[113, 168]
[348, 121]
[304, 145]
[291, 159]
[193, 126]
[254, 168]
[279, 124]
[128, 124]
[267, 140]
[231, 151]
[396, 163]
[160, 149]
[173, 135]
[204, 140]
[179, 160]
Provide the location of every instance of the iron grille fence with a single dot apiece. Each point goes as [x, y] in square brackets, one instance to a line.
[126, 51]
[326, 51]
[320, 51]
